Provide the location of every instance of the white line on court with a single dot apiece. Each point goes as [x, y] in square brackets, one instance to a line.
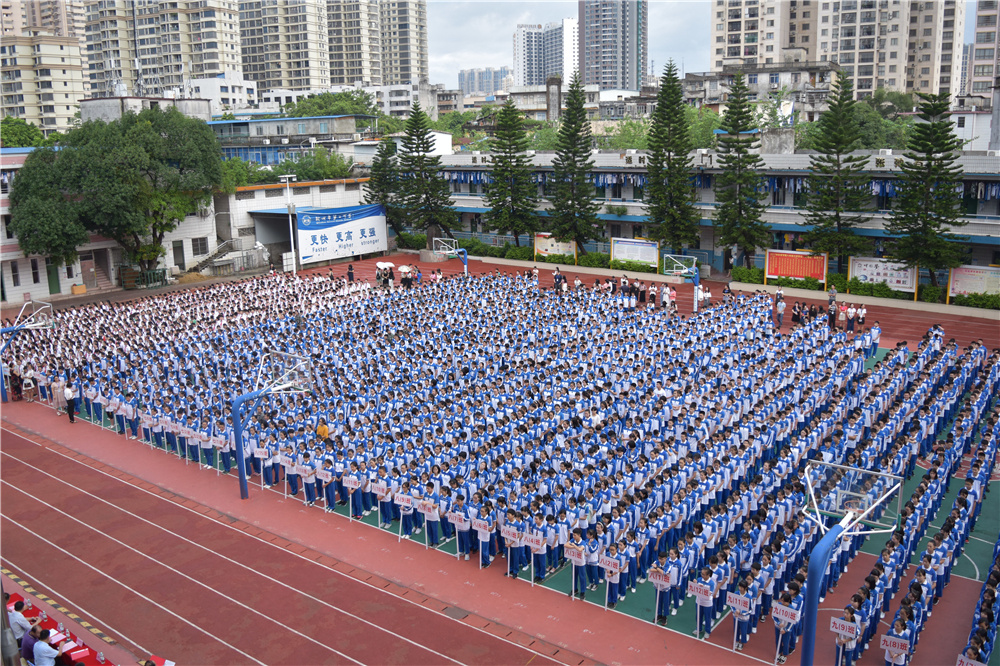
[51, 590]
[179, 573]
[136, 593]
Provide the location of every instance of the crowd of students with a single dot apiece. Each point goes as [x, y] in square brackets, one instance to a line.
[506, 415]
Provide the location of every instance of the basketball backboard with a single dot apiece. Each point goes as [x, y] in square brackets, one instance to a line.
[35, 314]
[281, 372]
[446, 246]
[678, 264]
[873, 499]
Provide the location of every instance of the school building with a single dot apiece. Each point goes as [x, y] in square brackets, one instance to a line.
[619, 180]
[99, 262]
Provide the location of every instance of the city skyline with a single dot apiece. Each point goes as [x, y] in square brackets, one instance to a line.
[459, 39]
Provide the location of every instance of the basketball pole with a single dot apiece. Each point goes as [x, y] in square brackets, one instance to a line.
[818, 560]
[240, 422]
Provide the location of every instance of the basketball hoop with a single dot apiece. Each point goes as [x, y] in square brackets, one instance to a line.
[35, 315]
[446, 246]
[281, 372]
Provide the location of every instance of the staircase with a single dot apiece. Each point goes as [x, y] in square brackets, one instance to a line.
[231, 245]
[103, 281]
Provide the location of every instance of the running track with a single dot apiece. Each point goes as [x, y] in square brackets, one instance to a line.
[212, 593]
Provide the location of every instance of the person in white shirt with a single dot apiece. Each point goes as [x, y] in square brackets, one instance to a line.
[45, 654]
[19, 624]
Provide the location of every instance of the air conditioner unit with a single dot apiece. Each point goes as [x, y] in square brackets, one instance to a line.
[356, 137]
[703, 151]
[774, 86]
[266, 142]
[993, 153]
[885, 151]
[284, 141]
[631, 151]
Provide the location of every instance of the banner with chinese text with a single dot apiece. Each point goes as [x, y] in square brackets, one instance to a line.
[332, 233]
[635, 249]
[872, 270]
[795, 264]
[974, 280]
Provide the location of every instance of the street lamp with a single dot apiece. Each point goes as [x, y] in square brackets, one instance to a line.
[288, 179]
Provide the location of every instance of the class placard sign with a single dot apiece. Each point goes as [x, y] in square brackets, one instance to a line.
[893, 644]
[795, 264]
[534, 540]
[700, 590]
[324, 476]
[577, 557]
[609, 564]
[738, 602]
[352, 482]
[380, 488]
[967, 661]
[510, 533]
[659, 577]
[785, 613]
[404, 500]
[261, 453]
[480, 525]
[844, 628]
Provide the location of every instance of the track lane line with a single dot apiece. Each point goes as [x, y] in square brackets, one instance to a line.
[180, 573]
[133, 591]
[22, 572]
[480, 630]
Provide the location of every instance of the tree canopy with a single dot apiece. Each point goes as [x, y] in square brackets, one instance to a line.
[574, 213]
[132, 180]
[928, 196]
[671, 194]
[347, 103]
[18, 133]
[424, 193]
[383, 185]
[512, 196]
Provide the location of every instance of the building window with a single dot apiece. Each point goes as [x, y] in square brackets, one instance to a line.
[323, 128]
[302, 128]
[960, 121]
[983, 54]
[279, 130]
[199, 246]
[69, 271]
[36, 275]
[15, 274]
[773, 78]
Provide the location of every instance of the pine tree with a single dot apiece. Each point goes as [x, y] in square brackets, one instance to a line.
[574, 213]
[512, 196]
[424, 193]
[929, 196]
[740, 185]
[839, 191]
[383, 185]
[670, 195]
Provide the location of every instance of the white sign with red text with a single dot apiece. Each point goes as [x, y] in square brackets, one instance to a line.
[845, 628]
[894, 644]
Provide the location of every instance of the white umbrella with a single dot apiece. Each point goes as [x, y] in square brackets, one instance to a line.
[404, 269]
[383, 264]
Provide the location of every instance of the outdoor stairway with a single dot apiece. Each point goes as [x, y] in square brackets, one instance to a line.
[231, 245]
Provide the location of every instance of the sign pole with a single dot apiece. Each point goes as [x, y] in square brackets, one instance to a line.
[697, 627]
[656, 611]
[572, 593]
[736, 628]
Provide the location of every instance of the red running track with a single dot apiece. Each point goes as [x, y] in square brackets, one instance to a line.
[192, 588]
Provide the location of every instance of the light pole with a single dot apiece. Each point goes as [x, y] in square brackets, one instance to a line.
[288, 179]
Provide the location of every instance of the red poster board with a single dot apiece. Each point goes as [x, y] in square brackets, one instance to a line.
[795, 264]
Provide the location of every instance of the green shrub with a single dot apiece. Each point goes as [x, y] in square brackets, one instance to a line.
[882, 290]
[985, 301]
[567, 259]
[407, 241]
[632, 266]
[498, 252]
[838, 280]
[519, 253]
[931, 294]
[859, 288]
[748, 275]
[594, 260]
[811, 284]
[617, 211]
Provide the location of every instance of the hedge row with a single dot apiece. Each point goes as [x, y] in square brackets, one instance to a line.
[926, 294]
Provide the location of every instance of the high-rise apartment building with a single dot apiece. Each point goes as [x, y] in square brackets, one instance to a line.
[12, 17]
[768, 32]
[966, 68]
[404, 42]
[143, 47]
[482, 80]
[64, 18]
[285, 43]
[614, 42]
[42, 79]
[529, 68]
[985, 62]
[544, 51]
[355, 42]
[561, 49]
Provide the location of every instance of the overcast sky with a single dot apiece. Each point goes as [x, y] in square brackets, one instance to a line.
[480, 33]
